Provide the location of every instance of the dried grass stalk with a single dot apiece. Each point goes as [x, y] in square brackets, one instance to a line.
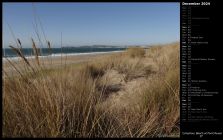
[36, 52]
[20, 54]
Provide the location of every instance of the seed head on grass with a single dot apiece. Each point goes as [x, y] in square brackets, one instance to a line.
[49, 47]
[20, 54]
[36, 52]
[19, 42]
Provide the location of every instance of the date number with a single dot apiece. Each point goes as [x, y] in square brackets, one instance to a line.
[205, 3]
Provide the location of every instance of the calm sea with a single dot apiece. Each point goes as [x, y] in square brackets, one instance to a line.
[8, 52]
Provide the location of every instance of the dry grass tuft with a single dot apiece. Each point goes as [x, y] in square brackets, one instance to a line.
[135, 52]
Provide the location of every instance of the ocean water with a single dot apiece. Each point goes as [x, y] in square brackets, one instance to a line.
[28, 52]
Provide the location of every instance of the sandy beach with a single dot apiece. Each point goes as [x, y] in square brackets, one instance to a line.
[50, 61]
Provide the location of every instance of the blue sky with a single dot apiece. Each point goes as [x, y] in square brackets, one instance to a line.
[93, 23]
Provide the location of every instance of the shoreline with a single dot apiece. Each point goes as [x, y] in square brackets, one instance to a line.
[52, 61]
[59, 55]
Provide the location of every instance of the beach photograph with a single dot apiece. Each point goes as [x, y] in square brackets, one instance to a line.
[91, 70]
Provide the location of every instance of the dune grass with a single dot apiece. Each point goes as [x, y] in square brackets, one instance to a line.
[135, 52]
[70, 102]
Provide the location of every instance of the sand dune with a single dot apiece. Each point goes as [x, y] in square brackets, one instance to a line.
[129, 94]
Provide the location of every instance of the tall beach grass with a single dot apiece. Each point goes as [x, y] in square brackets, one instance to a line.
[75, 102]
